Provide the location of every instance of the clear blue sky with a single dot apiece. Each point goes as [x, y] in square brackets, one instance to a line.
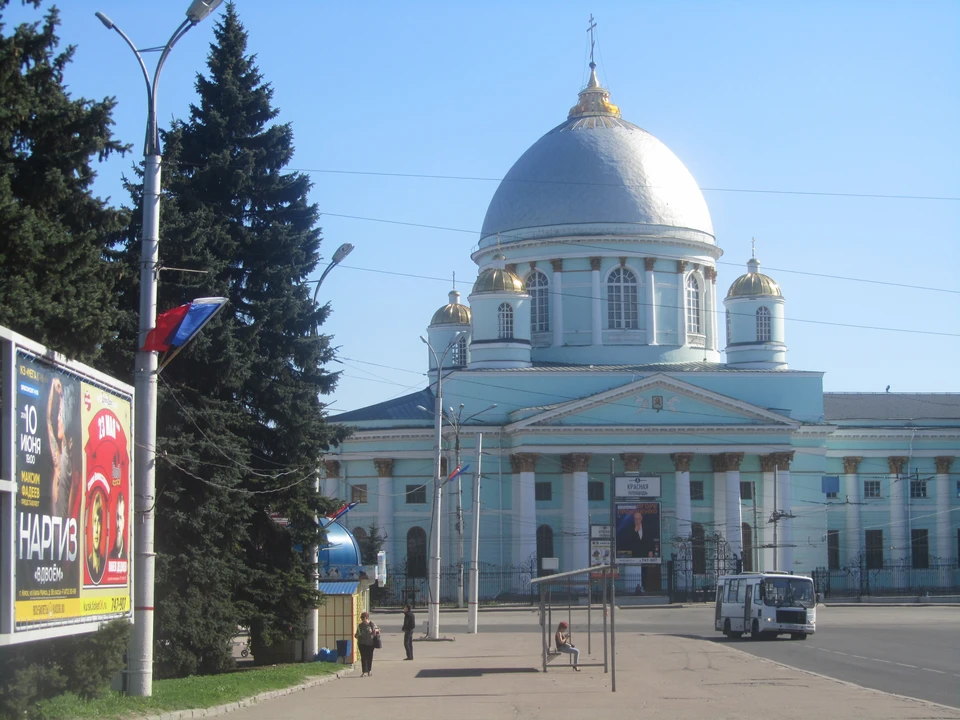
[819, 97]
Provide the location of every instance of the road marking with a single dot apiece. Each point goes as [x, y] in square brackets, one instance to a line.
[905, 665]
[889, 662]
[837, 652]
[860, 657]
[939, 672]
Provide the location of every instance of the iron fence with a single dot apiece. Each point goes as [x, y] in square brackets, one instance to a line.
[856, 580]
[695, 567]
[496, 584]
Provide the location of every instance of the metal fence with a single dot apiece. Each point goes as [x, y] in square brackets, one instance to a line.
[856, 580]
[497, 584]
[695, 567]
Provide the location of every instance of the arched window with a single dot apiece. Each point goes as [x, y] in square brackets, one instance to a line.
[763, 324]
[459, 352]
[505, 321]
[699, 548]
[544, 545]
[622, 311]
[693, 306]
[728, 328]
[747, 533]
[416, 552]
[538, 289]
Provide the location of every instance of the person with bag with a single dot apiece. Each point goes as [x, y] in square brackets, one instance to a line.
[368, 638]
[564, 645]
[409, 623]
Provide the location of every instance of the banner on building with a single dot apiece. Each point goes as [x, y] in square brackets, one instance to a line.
[638, 532]
[600, 550]
[73, 461]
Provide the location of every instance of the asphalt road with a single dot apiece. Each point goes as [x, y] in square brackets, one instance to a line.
[911, 651]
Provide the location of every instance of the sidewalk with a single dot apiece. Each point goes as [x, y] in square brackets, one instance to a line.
[496, 674]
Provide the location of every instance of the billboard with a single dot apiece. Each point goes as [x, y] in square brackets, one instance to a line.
[600, 550]
[72, 468]
[638, 532]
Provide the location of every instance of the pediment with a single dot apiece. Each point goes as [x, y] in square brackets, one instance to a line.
[658, 400]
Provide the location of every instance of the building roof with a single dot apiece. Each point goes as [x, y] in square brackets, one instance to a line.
[595, 168]
[401, 408]
[891, 406]
[754, 283]
[453, 313]
[339, 587]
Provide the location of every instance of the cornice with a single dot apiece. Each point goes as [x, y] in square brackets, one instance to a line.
[645, 429]
[906, 434]
[700, 247]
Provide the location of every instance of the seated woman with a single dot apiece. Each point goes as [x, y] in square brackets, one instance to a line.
[562, 641]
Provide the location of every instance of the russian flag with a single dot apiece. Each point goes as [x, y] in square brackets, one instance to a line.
[175, 328]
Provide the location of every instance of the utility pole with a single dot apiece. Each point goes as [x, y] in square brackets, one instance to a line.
[474, 603]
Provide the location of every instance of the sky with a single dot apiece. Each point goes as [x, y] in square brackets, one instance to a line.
[792, 117]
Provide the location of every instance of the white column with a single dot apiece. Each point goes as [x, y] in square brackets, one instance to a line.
[720, 496]
[681, 481]
[595, 304]
[710, 303]
[681, 303]
[785, 499]
[385, 504]
[766, 528]
[523, 466]
[651, 297]
[734, 514]
[851, 542]
[942, 545]
[899, 542]
[576, 521]
[557, 294]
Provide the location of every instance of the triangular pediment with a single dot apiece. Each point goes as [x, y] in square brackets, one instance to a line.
[657, 400]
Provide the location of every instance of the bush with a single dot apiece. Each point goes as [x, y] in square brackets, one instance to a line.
[81, 664]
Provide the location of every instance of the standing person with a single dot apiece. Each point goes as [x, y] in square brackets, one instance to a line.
[409, 623]
[562, 641]
[367, 635]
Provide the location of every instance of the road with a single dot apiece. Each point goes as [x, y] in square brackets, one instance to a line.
[911, 651]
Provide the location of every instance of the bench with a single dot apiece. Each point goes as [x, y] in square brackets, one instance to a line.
[554, 654]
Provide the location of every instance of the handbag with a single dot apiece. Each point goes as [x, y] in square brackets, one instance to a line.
[377, 642]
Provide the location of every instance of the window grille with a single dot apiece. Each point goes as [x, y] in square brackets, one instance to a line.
[871, 488]
[539, 291]
[358, 493]
[505, 321]
[918, 489]
[622, 305]
[416, 494]
[763, 324]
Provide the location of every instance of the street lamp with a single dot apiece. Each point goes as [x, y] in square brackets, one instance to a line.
[338, 257]
[433, 617]
[457, 422]
[140, 666]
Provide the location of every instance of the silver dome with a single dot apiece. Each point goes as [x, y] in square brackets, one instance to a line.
[596, 170]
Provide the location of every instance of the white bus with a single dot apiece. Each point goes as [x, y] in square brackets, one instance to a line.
[765, 605]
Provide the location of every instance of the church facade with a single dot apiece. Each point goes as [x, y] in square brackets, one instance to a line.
[590, 348]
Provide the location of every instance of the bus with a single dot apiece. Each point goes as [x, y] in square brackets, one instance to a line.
[766, 604]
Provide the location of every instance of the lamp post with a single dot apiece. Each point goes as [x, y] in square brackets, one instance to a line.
[433, 617]
[455, 421]
[311, 643]
[140, 665]
[338, 257]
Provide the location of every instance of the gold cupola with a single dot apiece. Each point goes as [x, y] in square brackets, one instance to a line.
[453, 313]
[754, 283]
[594, 100]
[497, 279]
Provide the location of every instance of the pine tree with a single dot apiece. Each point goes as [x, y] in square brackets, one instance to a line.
[55, 284]
[241, 428]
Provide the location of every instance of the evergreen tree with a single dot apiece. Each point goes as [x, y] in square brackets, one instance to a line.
[241, 428]
[55, 284]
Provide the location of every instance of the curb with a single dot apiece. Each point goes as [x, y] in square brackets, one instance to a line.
[246, 702]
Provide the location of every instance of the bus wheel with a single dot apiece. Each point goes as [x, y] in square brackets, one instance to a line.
[755, 630]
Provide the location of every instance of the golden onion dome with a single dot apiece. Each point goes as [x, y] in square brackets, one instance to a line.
[754, 283]
[498, 279]
[453, 313]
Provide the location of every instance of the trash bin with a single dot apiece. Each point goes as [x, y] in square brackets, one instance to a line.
[343, 649]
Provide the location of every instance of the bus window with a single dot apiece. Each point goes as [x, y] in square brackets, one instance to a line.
[741, 592]
[789, 592]
[757, 593]
[732, 586]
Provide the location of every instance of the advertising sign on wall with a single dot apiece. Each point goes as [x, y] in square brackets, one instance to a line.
[600, 549]
[73, 506]
[638, 532]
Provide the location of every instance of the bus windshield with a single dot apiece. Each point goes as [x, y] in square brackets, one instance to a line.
[788, 592]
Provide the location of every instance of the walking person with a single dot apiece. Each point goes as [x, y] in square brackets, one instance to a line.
[409, 623]
[368, 638]
[562, 641]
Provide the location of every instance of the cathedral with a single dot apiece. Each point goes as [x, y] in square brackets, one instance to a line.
[591, 351]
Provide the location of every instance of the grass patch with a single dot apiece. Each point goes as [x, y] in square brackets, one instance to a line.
[187, 693]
